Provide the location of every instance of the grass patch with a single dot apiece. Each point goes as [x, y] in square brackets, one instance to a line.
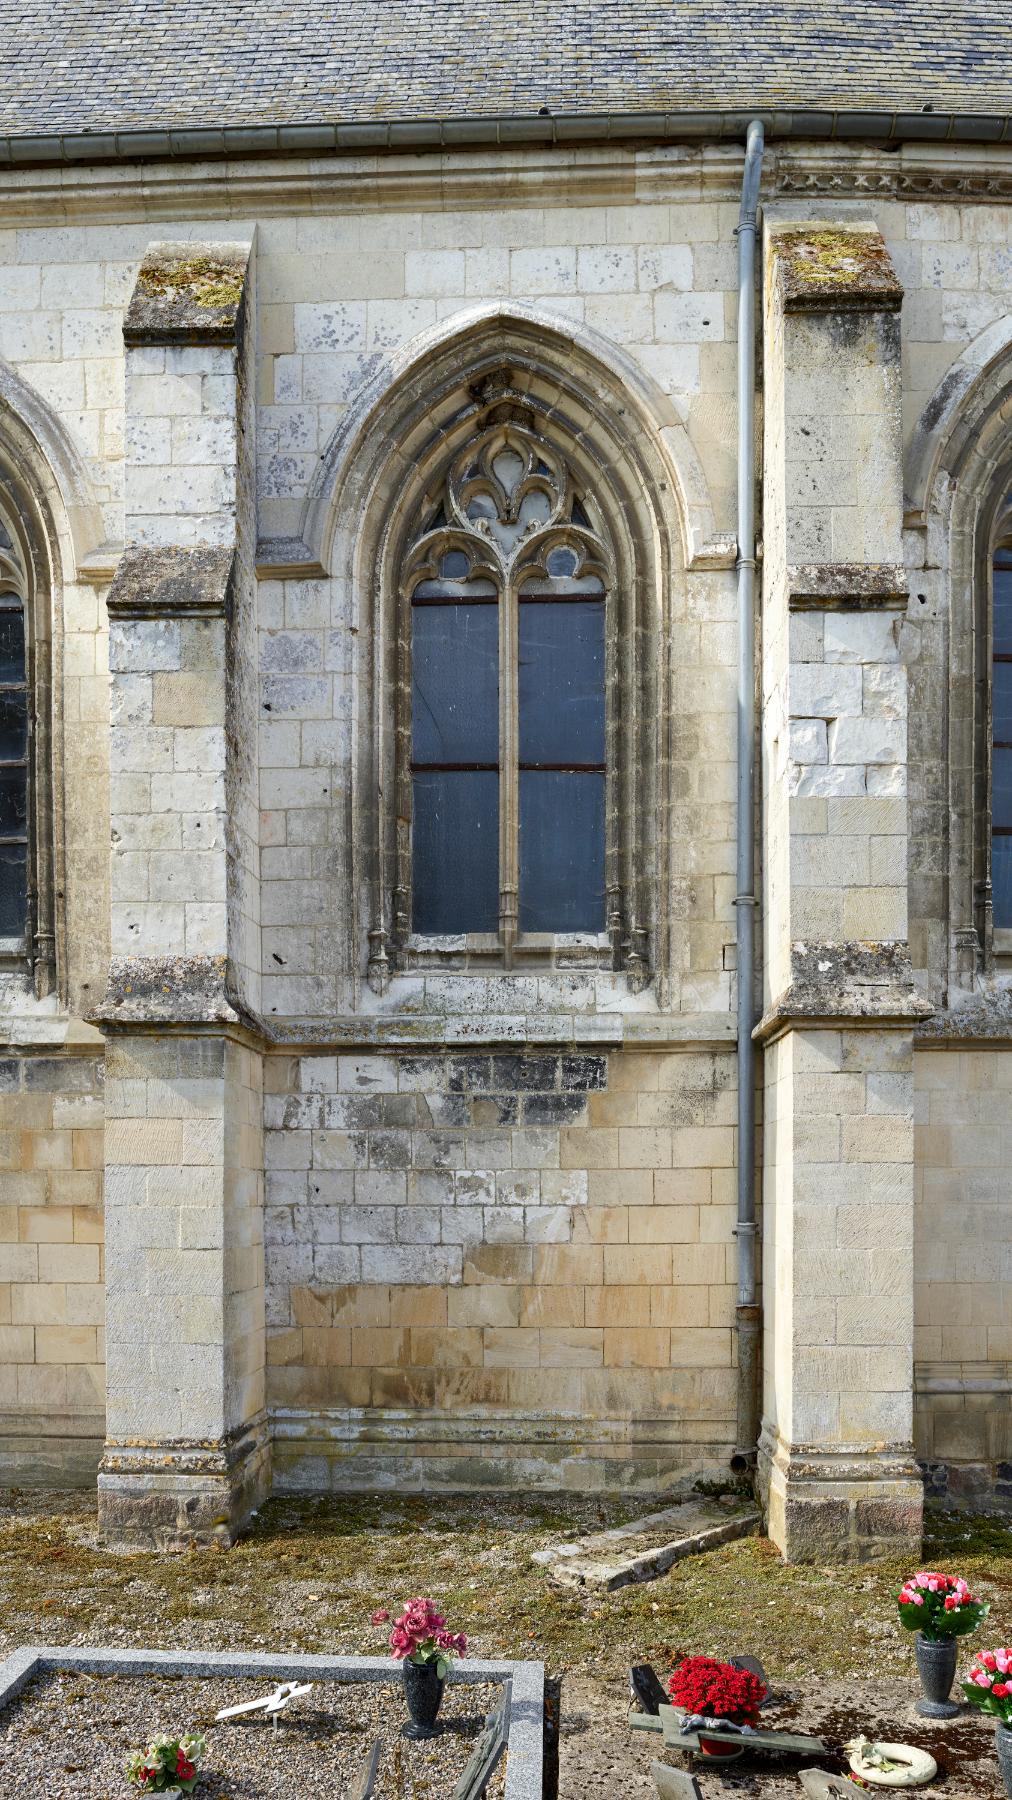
[311, 1571]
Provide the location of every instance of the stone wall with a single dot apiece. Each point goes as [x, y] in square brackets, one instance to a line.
[497, 1268]
[52, 1296]
[963, 1279]
[499, 1208]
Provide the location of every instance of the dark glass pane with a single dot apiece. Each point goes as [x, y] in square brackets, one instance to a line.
[13, 801]
[12, 645]
[455, 851]
[13, 725]
[562, 681]
[455, 683]
[1001, 787]
[1001, 703]
[13, 902]
[1003, 602]
[1001, 882]
[561, 851]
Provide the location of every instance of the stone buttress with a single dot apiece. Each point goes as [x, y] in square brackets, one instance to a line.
[186, 1454]
[836, 1454]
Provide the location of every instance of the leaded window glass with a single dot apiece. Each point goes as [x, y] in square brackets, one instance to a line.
[14, 746]
[1001, 739]
[506, 583]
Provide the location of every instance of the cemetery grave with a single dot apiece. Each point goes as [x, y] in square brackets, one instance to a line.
[313, 1572]
[68, 1720]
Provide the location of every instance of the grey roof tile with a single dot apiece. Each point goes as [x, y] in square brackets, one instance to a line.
[68, 67]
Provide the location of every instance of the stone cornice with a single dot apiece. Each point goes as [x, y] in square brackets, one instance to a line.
[585, 174]
[146, 992]
[190, 293]
[171, 583]
[980, 1018]
[829, 585]
[824, 266]
[833, 984]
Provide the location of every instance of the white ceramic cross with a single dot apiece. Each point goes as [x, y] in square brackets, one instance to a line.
[272, 1704]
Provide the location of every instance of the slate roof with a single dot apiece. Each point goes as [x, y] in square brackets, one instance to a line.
[72, 66]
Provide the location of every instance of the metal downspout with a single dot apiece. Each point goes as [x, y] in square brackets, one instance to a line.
[748, 1316]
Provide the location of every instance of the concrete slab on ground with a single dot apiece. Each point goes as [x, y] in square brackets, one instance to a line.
[647, 1547]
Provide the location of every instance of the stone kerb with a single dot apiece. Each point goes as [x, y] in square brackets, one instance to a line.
[524, 1772]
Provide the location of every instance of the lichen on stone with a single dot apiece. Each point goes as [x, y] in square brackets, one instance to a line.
[817, 264]
[204, 280]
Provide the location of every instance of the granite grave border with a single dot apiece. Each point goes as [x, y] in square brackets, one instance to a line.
[524, 1771]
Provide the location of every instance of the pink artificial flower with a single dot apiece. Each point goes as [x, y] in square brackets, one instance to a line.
[982, 1680]
[381, 1617]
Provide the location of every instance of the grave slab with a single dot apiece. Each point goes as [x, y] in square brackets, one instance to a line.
[674, 1784]
[647, 1547]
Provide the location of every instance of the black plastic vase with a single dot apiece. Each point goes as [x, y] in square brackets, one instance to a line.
[423, 1690]
[936, 1665]
[1003, 1745]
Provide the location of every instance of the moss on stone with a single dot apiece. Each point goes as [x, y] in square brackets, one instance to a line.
[312, 1570]
[816, 262]
[203, 280]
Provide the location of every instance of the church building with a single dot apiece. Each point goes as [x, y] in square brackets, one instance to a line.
[506, 755]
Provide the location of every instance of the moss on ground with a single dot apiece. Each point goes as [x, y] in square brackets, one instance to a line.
[310, 1573]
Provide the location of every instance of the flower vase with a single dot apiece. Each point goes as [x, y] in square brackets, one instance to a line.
[936, 1665]
[423, 1690]
[719, 1749]
[1003, 1745]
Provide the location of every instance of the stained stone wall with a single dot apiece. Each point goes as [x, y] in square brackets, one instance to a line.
[540, 1240]
[963, 1273]
[498, 1208]
[52, 1295]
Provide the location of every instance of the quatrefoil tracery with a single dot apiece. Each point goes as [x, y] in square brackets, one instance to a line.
[507, 512]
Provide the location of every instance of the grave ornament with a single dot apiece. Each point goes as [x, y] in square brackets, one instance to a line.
[890, 1765]
[646, 1689]
[272, 1705]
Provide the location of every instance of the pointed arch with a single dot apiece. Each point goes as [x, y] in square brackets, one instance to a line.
[959, 473]
[622, 444]
[595, 374]
[53, 466]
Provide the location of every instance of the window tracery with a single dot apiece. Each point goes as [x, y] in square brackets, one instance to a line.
[510, 843]
[15, 724]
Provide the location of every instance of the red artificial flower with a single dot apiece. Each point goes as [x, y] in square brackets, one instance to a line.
[717, 1690]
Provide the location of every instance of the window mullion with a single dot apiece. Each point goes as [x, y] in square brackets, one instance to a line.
[509, 780]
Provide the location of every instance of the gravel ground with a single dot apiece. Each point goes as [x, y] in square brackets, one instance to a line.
[312, 1571]
[68, 1735]
[601, 1757]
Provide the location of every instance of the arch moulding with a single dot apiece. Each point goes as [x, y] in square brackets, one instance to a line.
[622, 440]
[959, 467]
[471, 343]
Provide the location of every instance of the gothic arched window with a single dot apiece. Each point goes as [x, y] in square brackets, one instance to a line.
[1001, 738]
[15, 722]
[505, 589]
